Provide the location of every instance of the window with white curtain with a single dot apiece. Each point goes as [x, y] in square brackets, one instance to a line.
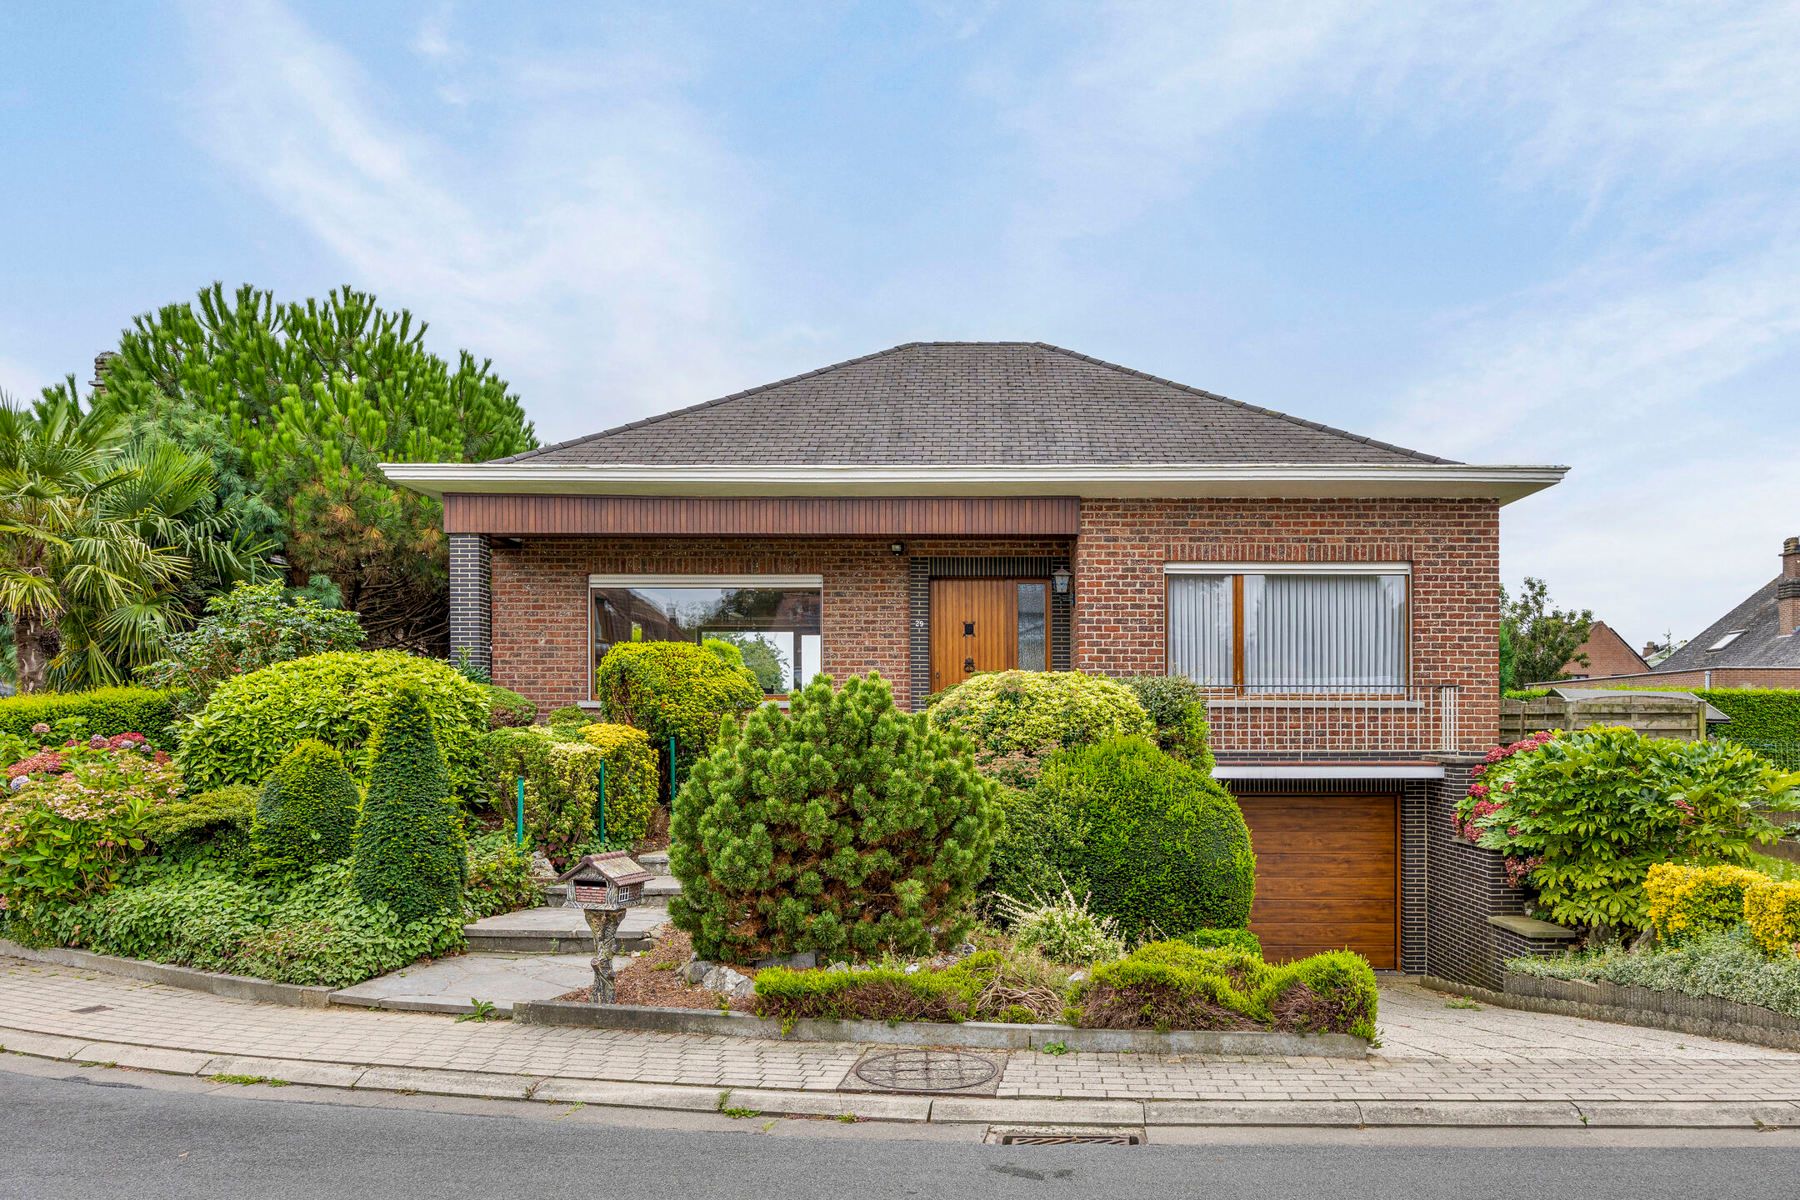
[1268, 631]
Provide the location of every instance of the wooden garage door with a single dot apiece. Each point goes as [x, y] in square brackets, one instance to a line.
[1327, 875]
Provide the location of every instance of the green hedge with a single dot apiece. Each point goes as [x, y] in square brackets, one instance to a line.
[1177, 707]
[1766, 720]
[562, 783]
[307, 810]
[252, 721]
[409, 844]
[1241, 940]
[674, 690]
[106, 711]
[1016, 719]
[1171, 985]
[1160, 846]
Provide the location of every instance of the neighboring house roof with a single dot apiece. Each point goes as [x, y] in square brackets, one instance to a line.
[1757, 642]
[1607, 654]
[973, 403]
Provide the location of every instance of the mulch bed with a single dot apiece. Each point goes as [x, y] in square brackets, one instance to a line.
[653, 979]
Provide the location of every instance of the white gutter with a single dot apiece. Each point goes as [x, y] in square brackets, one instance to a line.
[1300, 480]
[1298, 771]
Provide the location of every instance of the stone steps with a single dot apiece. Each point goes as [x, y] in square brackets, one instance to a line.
[559, 931]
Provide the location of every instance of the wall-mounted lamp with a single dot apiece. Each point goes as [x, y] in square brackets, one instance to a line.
[898, 548]
[1059, 579]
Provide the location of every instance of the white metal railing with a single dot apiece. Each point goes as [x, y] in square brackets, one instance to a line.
[1333, 720]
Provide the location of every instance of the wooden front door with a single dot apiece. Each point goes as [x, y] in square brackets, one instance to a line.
[988, 625]
[1327, 875]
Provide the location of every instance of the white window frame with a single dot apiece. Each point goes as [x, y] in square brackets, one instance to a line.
[1402, 690]
[789, 583]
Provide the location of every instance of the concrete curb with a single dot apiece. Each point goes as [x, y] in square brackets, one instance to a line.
[969, 1034]
[976, 1110]
[236, 987]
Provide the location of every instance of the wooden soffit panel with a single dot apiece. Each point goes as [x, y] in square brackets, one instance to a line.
[795, 516]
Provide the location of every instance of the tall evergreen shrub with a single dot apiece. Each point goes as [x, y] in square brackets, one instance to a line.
[409, 844]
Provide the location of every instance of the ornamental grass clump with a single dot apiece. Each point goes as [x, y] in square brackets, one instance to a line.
[307, 810]
[1062, 927]
[409, 844]
[841, 826]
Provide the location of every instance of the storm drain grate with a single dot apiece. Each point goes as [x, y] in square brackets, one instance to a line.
[93, 1008]
[1066, 1139]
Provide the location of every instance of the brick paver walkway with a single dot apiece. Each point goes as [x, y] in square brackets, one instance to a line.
[1430, 1051]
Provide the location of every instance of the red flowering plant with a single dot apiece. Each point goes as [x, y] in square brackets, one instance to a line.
[69, 817]
[1582, 816]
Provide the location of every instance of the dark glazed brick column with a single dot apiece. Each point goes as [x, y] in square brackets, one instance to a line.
[471, 600]
[1414, 802]
[1465, 886]
[918, 629]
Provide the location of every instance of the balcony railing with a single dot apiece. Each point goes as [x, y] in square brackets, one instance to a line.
[1332, 721]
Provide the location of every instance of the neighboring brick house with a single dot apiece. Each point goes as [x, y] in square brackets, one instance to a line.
[943, 508]
[1756, 644]
[1604, 653]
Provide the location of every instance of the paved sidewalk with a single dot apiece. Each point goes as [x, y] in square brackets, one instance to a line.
[1537, 1068]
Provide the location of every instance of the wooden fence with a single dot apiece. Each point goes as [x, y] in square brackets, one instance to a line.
[1652, 716]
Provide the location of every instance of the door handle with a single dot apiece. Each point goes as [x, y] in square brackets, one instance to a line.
[968, 664]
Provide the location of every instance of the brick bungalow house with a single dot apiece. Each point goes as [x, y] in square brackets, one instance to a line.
[943, 508]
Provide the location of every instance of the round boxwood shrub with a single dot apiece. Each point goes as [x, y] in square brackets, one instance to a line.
[507, 709]
[1016, 719]
[1177, 707]
[409, 844]
[252, 721]
[674, 690]
[841, 826]
[306, 812]
[1160, 846]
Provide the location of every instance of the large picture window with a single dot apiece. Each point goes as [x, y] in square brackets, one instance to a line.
[774, 621]
[1267, 630]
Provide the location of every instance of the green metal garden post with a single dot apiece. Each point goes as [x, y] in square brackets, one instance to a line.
[519, 811]
[671, 770]
[603, 802]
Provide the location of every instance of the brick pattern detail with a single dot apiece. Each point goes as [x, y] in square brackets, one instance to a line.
[471, 604]
[1466, 885]
[540, 598]
[1453, 547]
[1415, 795]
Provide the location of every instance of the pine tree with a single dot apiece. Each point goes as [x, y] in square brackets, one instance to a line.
[841, 826]
[409, 844]
[306, 812]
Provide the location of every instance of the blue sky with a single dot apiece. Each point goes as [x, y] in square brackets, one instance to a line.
[1513, 232]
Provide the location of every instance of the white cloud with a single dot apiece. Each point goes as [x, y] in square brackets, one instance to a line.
[594, 256]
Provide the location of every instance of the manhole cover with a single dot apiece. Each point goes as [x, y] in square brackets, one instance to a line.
[925, 1071]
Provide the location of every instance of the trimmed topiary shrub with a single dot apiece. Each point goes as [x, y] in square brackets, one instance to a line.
[105, 711]
[201, 816]
[674, 690]
[1015, 719]
[1160, 846]
[507, 709]
[570, 714]
[252, 721]
[1177, 707]
[841, 826]
[1772, 911]
[1687, 901]
[562, 783]
[306, 813]
[1172, 985]
[409, 843]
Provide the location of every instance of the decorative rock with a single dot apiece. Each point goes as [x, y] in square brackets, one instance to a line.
[696, 969]
[542, 869]
[727, 981]
[804, 961]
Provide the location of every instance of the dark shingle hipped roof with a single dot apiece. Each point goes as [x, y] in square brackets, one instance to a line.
[1761, 643]
[973, 404]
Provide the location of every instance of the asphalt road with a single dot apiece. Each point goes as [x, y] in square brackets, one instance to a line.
[127, 1136]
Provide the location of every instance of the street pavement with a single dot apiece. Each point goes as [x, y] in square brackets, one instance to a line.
[69, 1133]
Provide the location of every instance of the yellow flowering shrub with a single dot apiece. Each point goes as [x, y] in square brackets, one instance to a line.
[1685, 901]
[1772, 910]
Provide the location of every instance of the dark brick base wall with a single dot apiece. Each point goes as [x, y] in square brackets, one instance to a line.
[1465, 885]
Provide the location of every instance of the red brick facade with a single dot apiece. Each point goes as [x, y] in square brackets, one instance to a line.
[540, 626]
[540, 606]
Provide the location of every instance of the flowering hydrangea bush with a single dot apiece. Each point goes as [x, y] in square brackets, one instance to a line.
[70, 817]
[1582, 816]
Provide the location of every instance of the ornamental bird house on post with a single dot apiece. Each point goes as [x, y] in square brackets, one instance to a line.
[603, 886]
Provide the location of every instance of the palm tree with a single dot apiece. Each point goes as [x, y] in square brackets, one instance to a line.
[104, 545]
